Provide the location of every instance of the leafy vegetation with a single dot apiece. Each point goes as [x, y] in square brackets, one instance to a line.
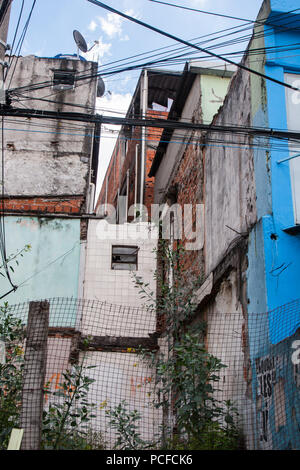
[126, 424]
[12, 335]
[65, 422]
[186, 375]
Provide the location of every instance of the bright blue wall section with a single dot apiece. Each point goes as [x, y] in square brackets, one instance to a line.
[282, 249]
[273, 275]
[256, 277]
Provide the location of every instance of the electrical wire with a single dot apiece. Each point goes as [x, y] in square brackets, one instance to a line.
[14, 38]
[4, 9]
[2, 216]
[2, 224]
[180, 138]
[213, 13]
[121, 71]
[175, 38]
[21, 40]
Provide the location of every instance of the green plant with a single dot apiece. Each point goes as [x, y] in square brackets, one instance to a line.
[126, 425]
[12, 334]
[12, 260]
[65, 423]
[186, 375]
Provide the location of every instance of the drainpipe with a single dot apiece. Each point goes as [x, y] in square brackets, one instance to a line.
[144, 106]
[136, 174]
[127, 194]
[105, 207]
[92, 198]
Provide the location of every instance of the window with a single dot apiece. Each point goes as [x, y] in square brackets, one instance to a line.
[292, 105]
[124, 257]
[63, 80]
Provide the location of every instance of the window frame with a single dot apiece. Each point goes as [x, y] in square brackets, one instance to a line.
[63, 86]
[125, 262]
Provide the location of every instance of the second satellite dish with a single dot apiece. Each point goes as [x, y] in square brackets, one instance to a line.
[80, 41]
[100, 88]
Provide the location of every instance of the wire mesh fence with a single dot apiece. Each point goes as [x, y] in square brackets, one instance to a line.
[73, 376]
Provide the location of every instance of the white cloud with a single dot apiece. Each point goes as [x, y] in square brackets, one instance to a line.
[92, 26]
[99, 50]
[198, 3]
[114, 104]
[111, 25]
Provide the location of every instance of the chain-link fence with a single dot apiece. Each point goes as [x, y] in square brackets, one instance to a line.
[73, 369]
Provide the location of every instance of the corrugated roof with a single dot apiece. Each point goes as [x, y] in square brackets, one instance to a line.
[162, 85]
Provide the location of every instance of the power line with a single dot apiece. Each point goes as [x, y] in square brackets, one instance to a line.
[170, 61]
[135, 67]
[147, 122]
[262, 22]
[171, 36]
[4, 9]
[21, 40]
[15, 36]
[180, 139]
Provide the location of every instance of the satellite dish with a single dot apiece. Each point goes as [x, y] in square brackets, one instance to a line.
[100, 88]
[80, 41]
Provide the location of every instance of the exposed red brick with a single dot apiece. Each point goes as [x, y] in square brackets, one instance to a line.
[43, 205]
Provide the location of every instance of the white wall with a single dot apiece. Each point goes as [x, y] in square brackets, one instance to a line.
[103, 283]
[118, 287]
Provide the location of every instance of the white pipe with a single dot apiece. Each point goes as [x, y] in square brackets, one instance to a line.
[144, 103]
[92, 198]
[127, 195]
[105, 207]
[136, 174]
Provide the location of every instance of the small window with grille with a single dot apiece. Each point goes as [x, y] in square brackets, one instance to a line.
[63, 80]
[124, 258]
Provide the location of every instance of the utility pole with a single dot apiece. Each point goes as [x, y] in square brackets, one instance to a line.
[5, 6]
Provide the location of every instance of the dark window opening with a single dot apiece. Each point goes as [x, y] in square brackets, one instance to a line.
[63, 80]
[124, 258]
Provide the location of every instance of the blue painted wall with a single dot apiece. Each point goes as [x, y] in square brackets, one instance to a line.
[282, 249]
[273, 276]
[51, 267]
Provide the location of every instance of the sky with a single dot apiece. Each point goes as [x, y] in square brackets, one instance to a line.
[50, 32]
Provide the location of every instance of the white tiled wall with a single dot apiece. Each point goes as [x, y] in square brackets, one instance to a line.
[118, 287]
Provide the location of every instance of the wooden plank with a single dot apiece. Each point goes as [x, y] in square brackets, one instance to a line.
[34, 374]
[15, 439]
[117, 343]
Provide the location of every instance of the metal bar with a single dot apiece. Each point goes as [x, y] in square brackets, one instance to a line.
[289, 158]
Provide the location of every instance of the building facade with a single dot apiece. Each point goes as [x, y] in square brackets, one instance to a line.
[49, 174]
[246, 191]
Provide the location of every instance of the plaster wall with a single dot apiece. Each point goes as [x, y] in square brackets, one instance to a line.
[205, 98]
[230, 206]
[45, 157]
[51, 267]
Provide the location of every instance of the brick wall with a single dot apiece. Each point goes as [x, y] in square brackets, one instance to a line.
[118, 166]
[57, 205]
[188, 183]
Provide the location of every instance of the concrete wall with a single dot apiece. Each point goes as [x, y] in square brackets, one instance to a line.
[230, 206]
[204, 99]
[48, 157]
[122, 376]
[225, 340]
